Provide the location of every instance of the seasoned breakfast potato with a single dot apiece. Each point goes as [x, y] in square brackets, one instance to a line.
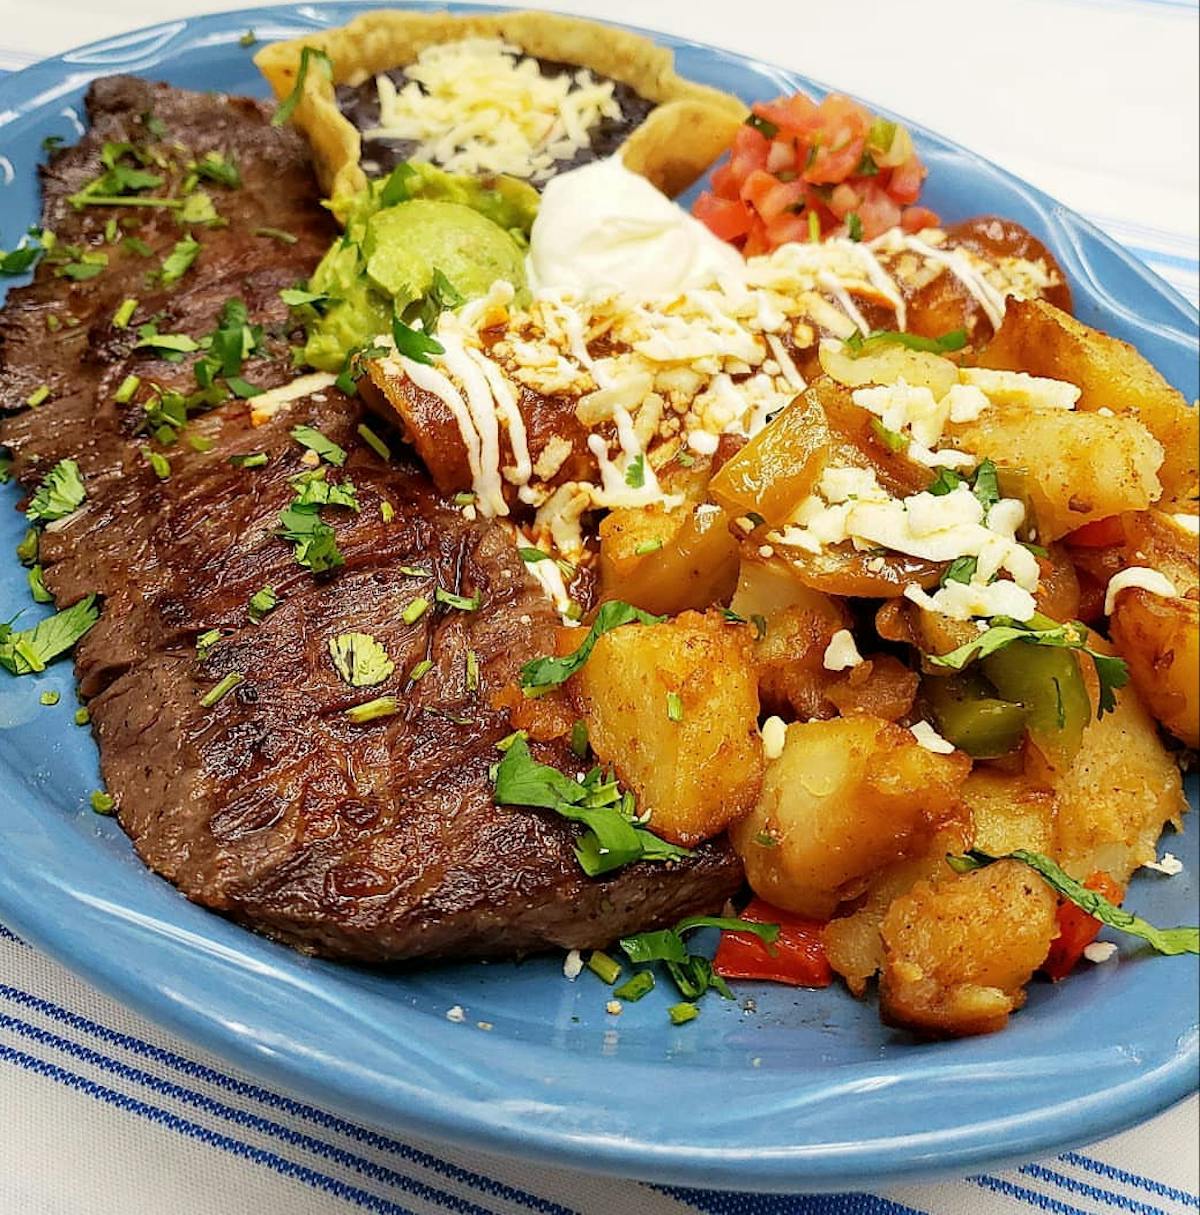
[958, 953]
[1008, 811]
[1077, 467]
[628, 535]
[1041, 339]
[1119, 792]
[1159, 639]
[852, 942]
[673, 707]
[846, 798]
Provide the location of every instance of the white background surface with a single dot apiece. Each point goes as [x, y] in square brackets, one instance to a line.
[1095, 101]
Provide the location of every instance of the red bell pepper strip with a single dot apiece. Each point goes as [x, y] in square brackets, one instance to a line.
[1077, 930]
[797, 957]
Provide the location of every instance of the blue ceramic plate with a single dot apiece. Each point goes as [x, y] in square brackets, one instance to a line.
[807, 1092]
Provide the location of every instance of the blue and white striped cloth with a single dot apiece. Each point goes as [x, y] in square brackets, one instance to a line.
[102, 1112]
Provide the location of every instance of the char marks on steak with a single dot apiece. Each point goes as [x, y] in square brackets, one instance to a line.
[376, 841]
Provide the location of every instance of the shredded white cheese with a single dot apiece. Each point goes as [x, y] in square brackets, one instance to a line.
[774, 736]
[1167, 863]
[456, 1014]
[480, 106]
[1100, 952]
[266, 405]
[1020, 388]
[930, 739]
[841, 653]
[573, 965]
[1141, 577]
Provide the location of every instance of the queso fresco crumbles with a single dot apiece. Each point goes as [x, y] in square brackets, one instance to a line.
[509, 558]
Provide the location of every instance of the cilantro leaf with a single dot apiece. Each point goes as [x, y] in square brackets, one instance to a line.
[635, 474]
[612, 838]
[288, 105]
[315, 541]
[360, 660]
[314, 440]
[985, 485]
[1170, 941]
[414, 344]
[61, 492]
[31, 650]
[961, 569]
[262, 603]
[17, 261]
[946, 482]
[395, 188]
[858, 345]
[548, 672]
[317, 491]
[215, 166]
[179, 261]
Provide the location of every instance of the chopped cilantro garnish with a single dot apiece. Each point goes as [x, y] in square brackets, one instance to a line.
[255, 459]
[854, 228]
[549, 671]
[579, 740]
[985, 485]
[374, 442]
[31, 650]
[682, 1013]
[314, 440]
[612, 838]
[395, 188]
[1170, 941]
[174, 343]
[88, 266]
[315, 541]
[120, 183]
[198, 208]
[472, 671]
[1112, 673]
[298, 297]
[215, 166]
[946, 482]
[27, 550]
[61, 492]
[136, 245]
[179, 261]
[674, 706]
[420, 670]
[216, 694]
[124, 313]
[284, 238]
[441, 296]
[37, 586]
[414, 610]
[38, 396]
[249, 38]
[17, 261]
[288, 105]
[205, 643]
[101, 802]
[360, 660]
[635, 474]
[961, 569]
[50, 698]
[158, 462]
[372, 710]
[318, 491]
[459, 602]
[262, 603]
[648, 546]
[82, 717]
[242, 389]
[414, 344]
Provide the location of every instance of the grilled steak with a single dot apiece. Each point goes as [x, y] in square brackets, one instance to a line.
[375, 841]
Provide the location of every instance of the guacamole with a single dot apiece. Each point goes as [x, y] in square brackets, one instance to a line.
[402, 229]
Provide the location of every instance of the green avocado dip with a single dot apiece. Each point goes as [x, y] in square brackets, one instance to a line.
[417, 236]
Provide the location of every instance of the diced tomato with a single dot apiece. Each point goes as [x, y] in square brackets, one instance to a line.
[1076, 929]
[726, 218]
[904, 185]
[916, 218]
[797, 956]
[807, 164]
[1099, 534]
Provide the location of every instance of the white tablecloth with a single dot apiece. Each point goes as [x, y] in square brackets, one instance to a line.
[1093, 100]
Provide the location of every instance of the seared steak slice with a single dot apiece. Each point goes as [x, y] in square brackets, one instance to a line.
[377, 840]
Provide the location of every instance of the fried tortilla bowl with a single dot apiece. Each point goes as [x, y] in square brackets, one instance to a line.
[690, 126]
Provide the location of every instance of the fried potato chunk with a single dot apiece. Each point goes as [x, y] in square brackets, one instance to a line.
[1071, 468]
[673, 707]
[1159, 639]
[958, 952]
[1041, 339]
[1117, 794]
[845, 798]
[1008, 811]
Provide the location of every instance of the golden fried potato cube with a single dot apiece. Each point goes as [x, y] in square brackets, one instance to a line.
[1045, 341]
[958, 953]
[673, 707]
[845, 798]
[1073, 467]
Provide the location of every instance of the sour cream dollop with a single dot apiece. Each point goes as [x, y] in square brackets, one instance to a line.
[602, 226]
